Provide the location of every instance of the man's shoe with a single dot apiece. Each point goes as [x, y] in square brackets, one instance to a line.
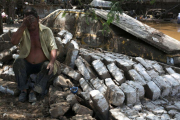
[32, 97]
[23, 96]
[38, 89]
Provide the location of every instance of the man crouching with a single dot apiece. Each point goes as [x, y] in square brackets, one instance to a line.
[37, 56]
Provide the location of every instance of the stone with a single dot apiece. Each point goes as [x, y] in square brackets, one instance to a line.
[116, 73]
[138, 87]
[71, 56]
[142, 71]
[137, 107]
[15, 56]
[71, 99]
[151, 116]
[164, 87]
[101, 69]
[172, 113]
[165, 117]
[115, 95]
[158, 68]
[124, 65]
[160, 102]
[152, 91]
[85, 95]
[95, 57]
[143, 62]
[109, 81]
[82, 68]
[153, 74]
[82, 117]
[98, 85]
[61, 53]
[170, 70]
[177, 116]
[84, 85]
[6, 55]
[81, 110]
[86, 57]
[175, 84]
[130, 94]
[59, 109]
[156, 109]
[60, 81]
[116, 114]
[133, 75]
[100, 104]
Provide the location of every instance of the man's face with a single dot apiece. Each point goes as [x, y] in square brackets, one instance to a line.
[33, 23]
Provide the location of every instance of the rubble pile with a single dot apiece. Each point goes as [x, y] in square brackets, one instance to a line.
[110, 85]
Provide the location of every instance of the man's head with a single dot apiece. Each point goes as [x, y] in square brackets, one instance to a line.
[33, 18]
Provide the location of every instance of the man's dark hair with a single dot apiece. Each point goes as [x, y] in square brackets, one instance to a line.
[31, 11]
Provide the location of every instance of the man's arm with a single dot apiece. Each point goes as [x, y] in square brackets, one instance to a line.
[52, 60]
[16, 37]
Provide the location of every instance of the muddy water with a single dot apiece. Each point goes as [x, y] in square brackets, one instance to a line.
[171, 29]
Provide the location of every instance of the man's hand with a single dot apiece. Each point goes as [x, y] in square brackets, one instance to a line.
[50, 66]
[27, 21]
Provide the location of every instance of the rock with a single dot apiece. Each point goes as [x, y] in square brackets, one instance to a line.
[164, 87]
[116, 114]
[95, 57]
[151, 116]
[82, 117]
[158, 68]
[143, 62]
[153, 74]
[137, 107]
[86, 57]
[100, 104]
[61, 53]
[116, 73]
[156, 109]
[15, 56]
[175, 84]
[165, 117]
[71, 57]
[133, 75]
[152, 91]
[124, 65]
[59, 109]
[142, 71]
[98, 85]
[81, 110]
[84, 85]
[115, 95]
[71, 99]
[60, 81]
[6, 55]
[101, 69]
[65, 36]
[82, 68]
[177, 116]
[85, 96]
[130, 94]
[108, 82]
[170, 70]
[138, 87]
[172, 113]
[160, 102]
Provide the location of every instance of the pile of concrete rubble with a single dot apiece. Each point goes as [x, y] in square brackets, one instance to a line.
[111, 86]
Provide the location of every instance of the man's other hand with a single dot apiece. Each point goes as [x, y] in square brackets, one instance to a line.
[50, 66]
[27, 21]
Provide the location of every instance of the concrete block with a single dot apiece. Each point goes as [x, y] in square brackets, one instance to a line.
[71, 56]
[71, 99]
[59, 109]
[152, 91]
[84, 85]
[158, 68]
[98, 85]
[163, 86]
[170, 70]
[85, 95]
[115, 95]
[142, 71]
[101, 69]
[138, 87]
[116, 114]
[116, 73]
[130, 94]
[100, 104]
[109, 81]
[124, 65]
[81, 110]
[95, 57]
[143, 62]
[134, 75]
[173, 83]
[153, 74]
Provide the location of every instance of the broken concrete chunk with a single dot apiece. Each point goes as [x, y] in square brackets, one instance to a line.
[130, 94]
[174, 83]
[84, 85]
[124, 65]
[85, 95]
[81, 110]
[100, 104]
[82, 117]
[71, 57]
[86, 57]
[164, 87]
[59, 109]
[101, 69]
[138, 87]
[115, 95]
[98, 85]
[60, 81]
[108, 60]
[116, 73]
[141, 70]
[170, 70]
[158, 68]
[152, 73]
[152, 91]
[95, 57]
[71, 99]
[165, 117]
[82, 68]
[134, 75]
[143, 62]
[108, 82]
[116, 114]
